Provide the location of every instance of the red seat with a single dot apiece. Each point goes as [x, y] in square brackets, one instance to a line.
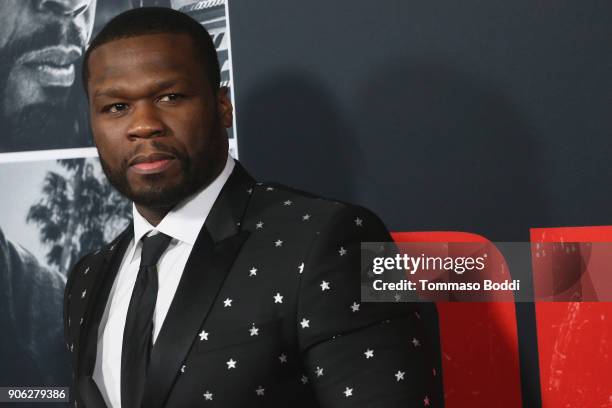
[574, 339]
[479, 342]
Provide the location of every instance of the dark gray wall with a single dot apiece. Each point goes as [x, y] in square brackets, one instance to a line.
[482, 116]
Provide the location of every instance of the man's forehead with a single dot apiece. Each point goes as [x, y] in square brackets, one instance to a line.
[140, 55]
[164, 49]
[104, 69]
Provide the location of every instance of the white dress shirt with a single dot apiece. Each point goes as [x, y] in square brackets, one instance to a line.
[182, 224]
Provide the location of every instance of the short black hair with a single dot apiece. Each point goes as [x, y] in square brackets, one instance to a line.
[157, 20]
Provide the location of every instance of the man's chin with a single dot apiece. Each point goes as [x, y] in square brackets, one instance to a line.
[162, 195]
[40, 126]
[154, 198]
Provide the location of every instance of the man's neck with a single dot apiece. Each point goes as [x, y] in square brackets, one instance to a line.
[153, 215]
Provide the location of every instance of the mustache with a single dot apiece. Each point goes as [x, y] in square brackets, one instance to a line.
[159, 147]
[46, 35]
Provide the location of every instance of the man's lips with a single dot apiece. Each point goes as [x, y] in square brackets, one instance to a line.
[151, 163]
[59, 55]
[52, 66]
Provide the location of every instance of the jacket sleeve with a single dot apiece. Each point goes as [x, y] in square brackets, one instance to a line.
[67, 298]
[359, 354]
[71, 331]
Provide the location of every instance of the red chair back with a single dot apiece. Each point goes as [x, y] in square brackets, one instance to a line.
[574, 339]
[479, 342]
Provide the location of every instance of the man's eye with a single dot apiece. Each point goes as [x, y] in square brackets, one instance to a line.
[170, 98]
[116, 107]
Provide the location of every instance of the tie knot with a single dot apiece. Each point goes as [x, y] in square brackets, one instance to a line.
[152, 248]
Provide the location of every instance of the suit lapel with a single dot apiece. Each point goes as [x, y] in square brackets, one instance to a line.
[90, 393]
[211, 258]
[104, 270]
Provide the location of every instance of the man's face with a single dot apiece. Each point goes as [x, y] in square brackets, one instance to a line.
[40, 41]
[158, 125]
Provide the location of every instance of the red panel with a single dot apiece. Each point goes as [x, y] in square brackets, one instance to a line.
[479, 343]
[574, 339]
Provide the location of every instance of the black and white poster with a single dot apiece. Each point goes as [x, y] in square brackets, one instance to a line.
[56, 204]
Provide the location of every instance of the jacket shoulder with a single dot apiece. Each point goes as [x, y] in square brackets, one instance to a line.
[275, 200]
[86, 261]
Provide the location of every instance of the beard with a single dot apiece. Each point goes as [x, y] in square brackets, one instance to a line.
[41, 126]
[155, 195]
[158, 195]
[46, 123]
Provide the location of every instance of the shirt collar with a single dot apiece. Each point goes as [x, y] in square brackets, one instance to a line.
[185, 221]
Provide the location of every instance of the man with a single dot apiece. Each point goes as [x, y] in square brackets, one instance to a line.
[224, 291]
[41, 41]
[31, 349]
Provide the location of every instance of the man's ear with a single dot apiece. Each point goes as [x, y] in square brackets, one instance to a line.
[224, 107]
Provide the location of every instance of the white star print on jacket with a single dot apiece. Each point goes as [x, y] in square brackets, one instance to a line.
[275, 316]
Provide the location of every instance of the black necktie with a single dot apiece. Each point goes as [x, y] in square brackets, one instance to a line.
[138, 331]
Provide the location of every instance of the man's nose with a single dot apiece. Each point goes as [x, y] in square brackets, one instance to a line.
[145, 123]
[64, 7]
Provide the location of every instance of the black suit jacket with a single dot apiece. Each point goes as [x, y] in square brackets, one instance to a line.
[292, 337]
